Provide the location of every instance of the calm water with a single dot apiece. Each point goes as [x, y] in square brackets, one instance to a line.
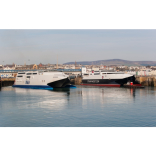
[80, 107]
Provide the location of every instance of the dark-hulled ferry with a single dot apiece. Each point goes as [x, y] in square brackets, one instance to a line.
[108, 79]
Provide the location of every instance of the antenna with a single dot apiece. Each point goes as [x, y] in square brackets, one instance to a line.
[75, 63]
[57, 61]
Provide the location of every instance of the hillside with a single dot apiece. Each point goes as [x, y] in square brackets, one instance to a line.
[116, 62]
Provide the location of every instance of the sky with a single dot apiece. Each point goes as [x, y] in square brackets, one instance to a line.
[34, 46]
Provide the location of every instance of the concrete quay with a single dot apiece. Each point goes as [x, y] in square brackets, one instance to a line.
[147, 80]
[4, 82]
[76, 81]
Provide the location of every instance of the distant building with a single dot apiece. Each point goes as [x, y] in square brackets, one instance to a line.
[69, 66]
[40, 65]
[29, 67]
[83, 70]
[9, 67]
[122, 66]
[1, 67]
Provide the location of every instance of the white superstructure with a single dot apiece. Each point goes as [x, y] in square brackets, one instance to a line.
[106, 75]
[41, 79]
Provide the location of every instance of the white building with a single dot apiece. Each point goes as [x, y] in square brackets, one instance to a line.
[1, 67]
[72, 66]
[83, 70]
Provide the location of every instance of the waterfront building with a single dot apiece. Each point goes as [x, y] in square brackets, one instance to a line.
[1, 67]
[83, 70]
[133, 67]
[9, 67]
[28, 67]
[69, 66]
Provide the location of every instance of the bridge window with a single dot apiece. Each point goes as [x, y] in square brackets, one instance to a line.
[34, 73]
[21, 73]
[29, 73]
[114, 73]
[20, 76]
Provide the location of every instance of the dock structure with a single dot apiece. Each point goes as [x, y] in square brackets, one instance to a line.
[4, 82]
[76, 81]
[147, 80]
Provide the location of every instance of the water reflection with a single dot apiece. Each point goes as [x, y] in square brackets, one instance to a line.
[99, 94]
[132, 91]
[84, 95]
[61, 90]
[83, 106]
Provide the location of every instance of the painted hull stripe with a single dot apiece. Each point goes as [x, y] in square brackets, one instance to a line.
[105, 85]
[33, 86]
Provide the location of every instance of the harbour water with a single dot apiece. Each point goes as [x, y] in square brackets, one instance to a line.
[79, 107]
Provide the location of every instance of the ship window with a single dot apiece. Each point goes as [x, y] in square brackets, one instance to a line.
[20, 76]
[21, 73]
[34, 73]
[114, 73]
[29, 73]
[28, 76]
[96, 73]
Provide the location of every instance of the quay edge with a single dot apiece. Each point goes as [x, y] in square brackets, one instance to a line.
[147, 80]
[6, 82]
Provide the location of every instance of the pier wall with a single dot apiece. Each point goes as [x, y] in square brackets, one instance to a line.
[76, 81]
[147, 80]
[6, 82]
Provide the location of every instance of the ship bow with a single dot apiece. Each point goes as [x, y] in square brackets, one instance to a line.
[60, 83]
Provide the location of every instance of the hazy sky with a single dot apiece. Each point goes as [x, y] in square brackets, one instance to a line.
[19, 46]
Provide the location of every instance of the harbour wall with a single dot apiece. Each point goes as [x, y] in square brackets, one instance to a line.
[76, 80]
[147, 80]
[6, 82]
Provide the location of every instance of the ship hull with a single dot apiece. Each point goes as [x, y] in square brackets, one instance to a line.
[60, 83]
[101, 85]
[42, 80]
[64, 83]
[34, 86]
[109, 82]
